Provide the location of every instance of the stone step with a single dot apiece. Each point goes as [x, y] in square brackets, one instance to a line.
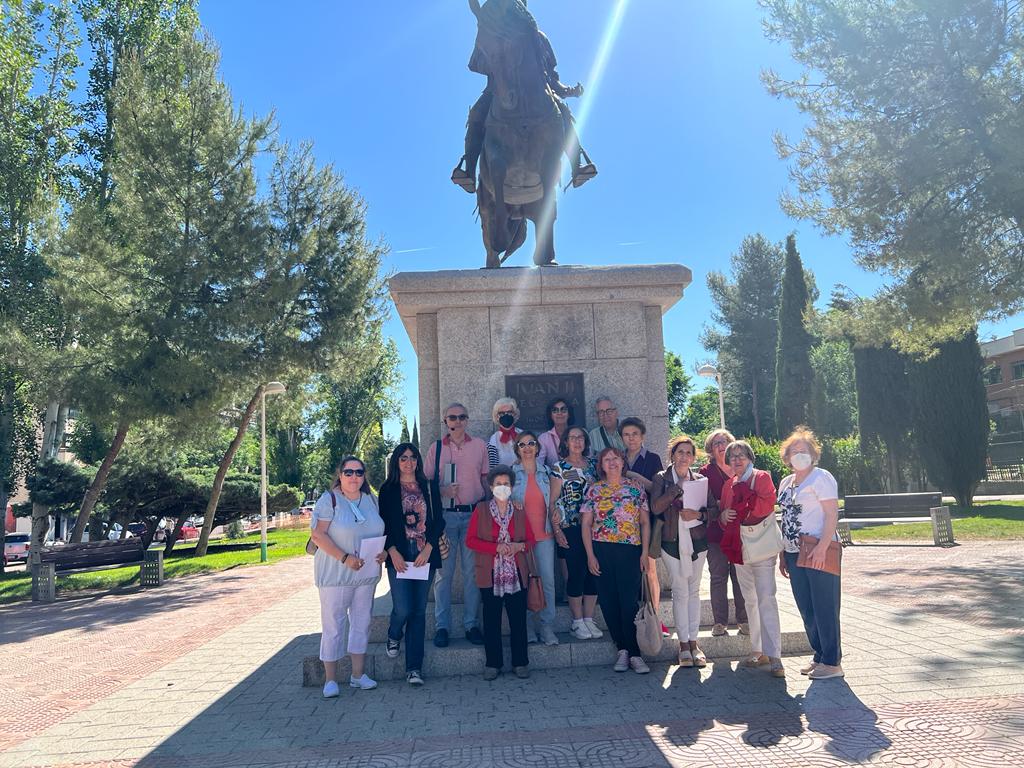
[563, 618]
[462, 658]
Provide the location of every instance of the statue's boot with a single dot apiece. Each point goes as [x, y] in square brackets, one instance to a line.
[583, 174]
[463, 178]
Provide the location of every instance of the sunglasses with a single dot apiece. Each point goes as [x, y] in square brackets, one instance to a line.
[356, 472]
[458, 417]
[527, 444]
[559, 409]
[606, 411]
[407, 457]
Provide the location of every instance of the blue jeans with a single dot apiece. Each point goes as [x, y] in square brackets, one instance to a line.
[817, 596]
[455, 524]
[409, 615]
[544, 556]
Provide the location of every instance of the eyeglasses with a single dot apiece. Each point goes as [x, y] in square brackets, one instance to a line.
[527, 444]
[606, 411]
[719, 443]
[356, 472]
[407, 457]
[457, 417]
[576, 437]
[560, 409]
[684, 452]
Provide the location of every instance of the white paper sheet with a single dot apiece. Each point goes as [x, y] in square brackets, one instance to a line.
[417, 572]
[695, 496]
[370, 548]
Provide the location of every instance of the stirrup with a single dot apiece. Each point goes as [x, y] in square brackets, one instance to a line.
[584, 174]
[463, 179]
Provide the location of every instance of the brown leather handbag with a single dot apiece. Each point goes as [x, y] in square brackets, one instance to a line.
[833, 558]
[535, 589]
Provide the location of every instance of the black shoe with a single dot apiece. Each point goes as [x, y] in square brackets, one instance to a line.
[391, 648]
[475, 636]
[441, 638]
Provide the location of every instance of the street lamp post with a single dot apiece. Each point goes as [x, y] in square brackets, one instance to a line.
[712, 372]
[270, 388]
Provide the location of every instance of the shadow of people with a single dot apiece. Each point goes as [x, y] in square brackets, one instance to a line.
[848, 728]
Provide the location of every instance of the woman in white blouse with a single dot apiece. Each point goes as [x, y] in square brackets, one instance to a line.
[342, 518]
[809, 499]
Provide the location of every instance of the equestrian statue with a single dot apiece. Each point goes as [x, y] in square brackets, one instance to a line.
[518, 130]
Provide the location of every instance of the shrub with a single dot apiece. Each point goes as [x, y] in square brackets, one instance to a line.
[235, 529]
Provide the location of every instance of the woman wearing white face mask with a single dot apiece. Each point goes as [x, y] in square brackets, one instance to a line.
[809, 499]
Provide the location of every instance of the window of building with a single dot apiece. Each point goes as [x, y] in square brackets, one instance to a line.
[993, 375]
[1018, 370]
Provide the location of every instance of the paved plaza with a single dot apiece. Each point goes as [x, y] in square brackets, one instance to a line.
[205, 671]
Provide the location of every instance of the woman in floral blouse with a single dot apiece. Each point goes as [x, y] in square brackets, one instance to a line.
[615, 520]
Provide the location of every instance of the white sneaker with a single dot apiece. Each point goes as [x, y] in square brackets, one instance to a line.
[579, 630]
[638, 665]
[621, 661]
[594, 631]
[331, 689]
[548, 636]
[363, 683]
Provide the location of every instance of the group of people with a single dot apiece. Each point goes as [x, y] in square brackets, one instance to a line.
[601, 506]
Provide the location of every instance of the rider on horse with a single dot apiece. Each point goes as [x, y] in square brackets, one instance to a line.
[516, 15]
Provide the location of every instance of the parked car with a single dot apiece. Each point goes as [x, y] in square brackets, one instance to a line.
[189, 531]
[16, 547]
[137, 529]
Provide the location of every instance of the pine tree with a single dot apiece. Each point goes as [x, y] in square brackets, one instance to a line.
[746, 313]
[950, 416]
[794, 376]
[404, 436]
[415, 438]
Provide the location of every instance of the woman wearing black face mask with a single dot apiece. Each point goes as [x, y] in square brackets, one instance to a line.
[501, 446]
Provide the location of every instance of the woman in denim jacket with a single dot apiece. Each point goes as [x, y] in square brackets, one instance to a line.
[532, 490]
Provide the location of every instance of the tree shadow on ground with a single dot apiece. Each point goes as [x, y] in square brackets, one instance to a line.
[94, 610]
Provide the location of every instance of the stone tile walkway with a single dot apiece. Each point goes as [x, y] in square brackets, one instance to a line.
[205, 672]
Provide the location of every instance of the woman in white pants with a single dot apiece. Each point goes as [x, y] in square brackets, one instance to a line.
[342, 518]
[748, 498]
[684, 540]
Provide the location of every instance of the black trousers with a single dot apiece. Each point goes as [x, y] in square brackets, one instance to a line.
[618, 591]
[581, 581]
[515, 609]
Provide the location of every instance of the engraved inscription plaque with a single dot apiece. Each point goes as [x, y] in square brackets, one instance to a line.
[533, 392]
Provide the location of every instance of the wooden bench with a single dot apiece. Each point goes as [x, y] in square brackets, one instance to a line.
[93, 556]
[892, 508]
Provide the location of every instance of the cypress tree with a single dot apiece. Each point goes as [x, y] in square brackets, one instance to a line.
[404, 436]
[794, 376]
[950, 416]
[883, 406]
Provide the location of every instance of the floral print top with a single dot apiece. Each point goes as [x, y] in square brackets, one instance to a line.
[574, 487]
[414, 508]
[617, 510]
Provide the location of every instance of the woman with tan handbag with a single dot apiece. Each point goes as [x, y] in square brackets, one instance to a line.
[752, 541]
[500, 537]
[615, 523]
[809, 499]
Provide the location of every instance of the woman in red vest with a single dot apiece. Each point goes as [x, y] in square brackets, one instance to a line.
[499, 535]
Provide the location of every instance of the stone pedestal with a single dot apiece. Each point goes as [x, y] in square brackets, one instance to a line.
[471, 328]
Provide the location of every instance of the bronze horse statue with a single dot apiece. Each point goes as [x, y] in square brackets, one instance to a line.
[525, 131]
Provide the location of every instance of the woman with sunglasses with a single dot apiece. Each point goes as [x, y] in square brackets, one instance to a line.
[343, 517]
[413, 523]
[532, 491]
[560, 418]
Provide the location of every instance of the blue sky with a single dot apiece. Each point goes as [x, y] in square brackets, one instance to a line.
[676, 120]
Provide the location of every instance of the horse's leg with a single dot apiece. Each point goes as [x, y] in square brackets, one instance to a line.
[544, 232]
[485, 205]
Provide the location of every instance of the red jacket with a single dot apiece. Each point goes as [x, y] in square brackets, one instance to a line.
[483, 538]
[752, 506]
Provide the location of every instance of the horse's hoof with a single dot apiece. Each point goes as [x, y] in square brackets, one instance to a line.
[551, 263]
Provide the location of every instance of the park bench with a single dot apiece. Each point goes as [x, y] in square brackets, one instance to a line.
[93, 556]
[892, 508]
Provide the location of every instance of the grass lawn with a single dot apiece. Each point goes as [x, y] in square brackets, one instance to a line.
[222, 555]
[986, 520]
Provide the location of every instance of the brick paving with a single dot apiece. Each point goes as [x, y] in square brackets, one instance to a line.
[205, 672]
